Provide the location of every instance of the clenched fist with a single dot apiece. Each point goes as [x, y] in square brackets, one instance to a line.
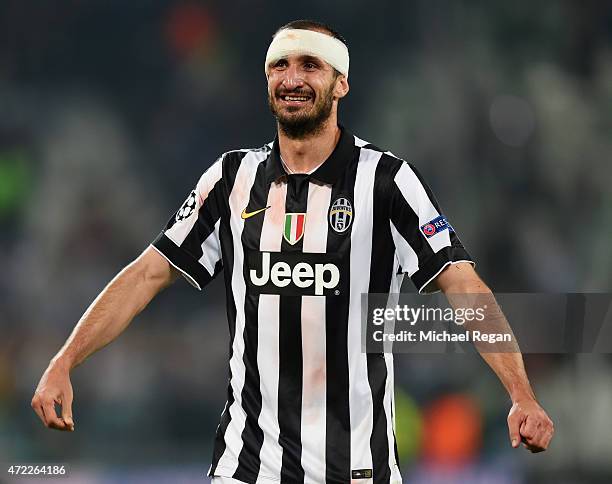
[529, 423]
[54, 388]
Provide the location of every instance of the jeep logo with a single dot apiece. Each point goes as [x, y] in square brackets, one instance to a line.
[292, 273]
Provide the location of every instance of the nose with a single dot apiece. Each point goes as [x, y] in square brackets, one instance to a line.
[293, 77]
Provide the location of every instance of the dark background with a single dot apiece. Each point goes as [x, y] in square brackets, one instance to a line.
[109, 113]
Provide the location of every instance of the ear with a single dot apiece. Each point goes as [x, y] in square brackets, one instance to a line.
[342, 87]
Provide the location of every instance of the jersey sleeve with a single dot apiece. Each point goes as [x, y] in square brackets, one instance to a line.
[190, 240]
[425, 242]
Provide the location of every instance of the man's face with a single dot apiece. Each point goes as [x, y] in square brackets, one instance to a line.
[301, 94]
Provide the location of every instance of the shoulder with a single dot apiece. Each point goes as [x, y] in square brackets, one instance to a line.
[221, 174]
[231, 160]
[237, 155]
[227, 164]
[388, 164]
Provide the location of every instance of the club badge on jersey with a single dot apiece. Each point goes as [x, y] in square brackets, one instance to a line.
[341, 215]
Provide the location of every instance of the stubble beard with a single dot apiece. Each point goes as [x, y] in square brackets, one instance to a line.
[303, 126]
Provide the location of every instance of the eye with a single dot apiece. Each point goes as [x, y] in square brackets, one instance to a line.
[310, 65]
[280, 63]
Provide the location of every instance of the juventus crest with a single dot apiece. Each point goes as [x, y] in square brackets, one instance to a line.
[341, 215]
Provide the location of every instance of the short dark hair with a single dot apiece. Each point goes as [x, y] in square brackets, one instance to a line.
[313, 25]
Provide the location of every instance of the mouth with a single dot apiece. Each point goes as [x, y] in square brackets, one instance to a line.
[295, 99]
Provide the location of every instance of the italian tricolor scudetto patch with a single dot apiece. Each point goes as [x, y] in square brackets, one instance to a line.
[294, 227]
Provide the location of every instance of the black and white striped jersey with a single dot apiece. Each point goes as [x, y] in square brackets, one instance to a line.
[304, 403]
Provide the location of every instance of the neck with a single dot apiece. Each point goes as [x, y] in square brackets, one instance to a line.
[303, 155]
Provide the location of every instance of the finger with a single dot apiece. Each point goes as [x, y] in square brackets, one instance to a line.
[525, 442]
[542, 439]
[534, 449]
[550, 431]
[51, 418]
[530, 428]
[37, 407]
[534, 445]
[67, 412]
[546, 440]
[514, 422]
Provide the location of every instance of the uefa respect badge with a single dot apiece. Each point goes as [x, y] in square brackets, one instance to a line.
[435, 226]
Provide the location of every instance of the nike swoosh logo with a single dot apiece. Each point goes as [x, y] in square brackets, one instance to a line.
[244, 215]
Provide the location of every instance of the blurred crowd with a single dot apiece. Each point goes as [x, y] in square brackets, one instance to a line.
[110, 111]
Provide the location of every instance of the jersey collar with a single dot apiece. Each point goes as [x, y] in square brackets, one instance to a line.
[329, 171]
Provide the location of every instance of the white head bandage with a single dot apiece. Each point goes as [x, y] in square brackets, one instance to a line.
[308, 42]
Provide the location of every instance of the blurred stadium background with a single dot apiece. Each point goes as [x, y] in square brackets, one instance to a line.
[110, 111]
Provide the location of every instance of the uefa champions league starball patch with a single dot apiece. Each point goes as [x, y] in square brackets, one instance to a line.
[435, 226]
[187, 208]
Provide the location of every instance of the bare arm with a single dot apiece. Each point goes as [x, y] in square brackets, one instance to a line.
[527, 421]
[105, 319]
